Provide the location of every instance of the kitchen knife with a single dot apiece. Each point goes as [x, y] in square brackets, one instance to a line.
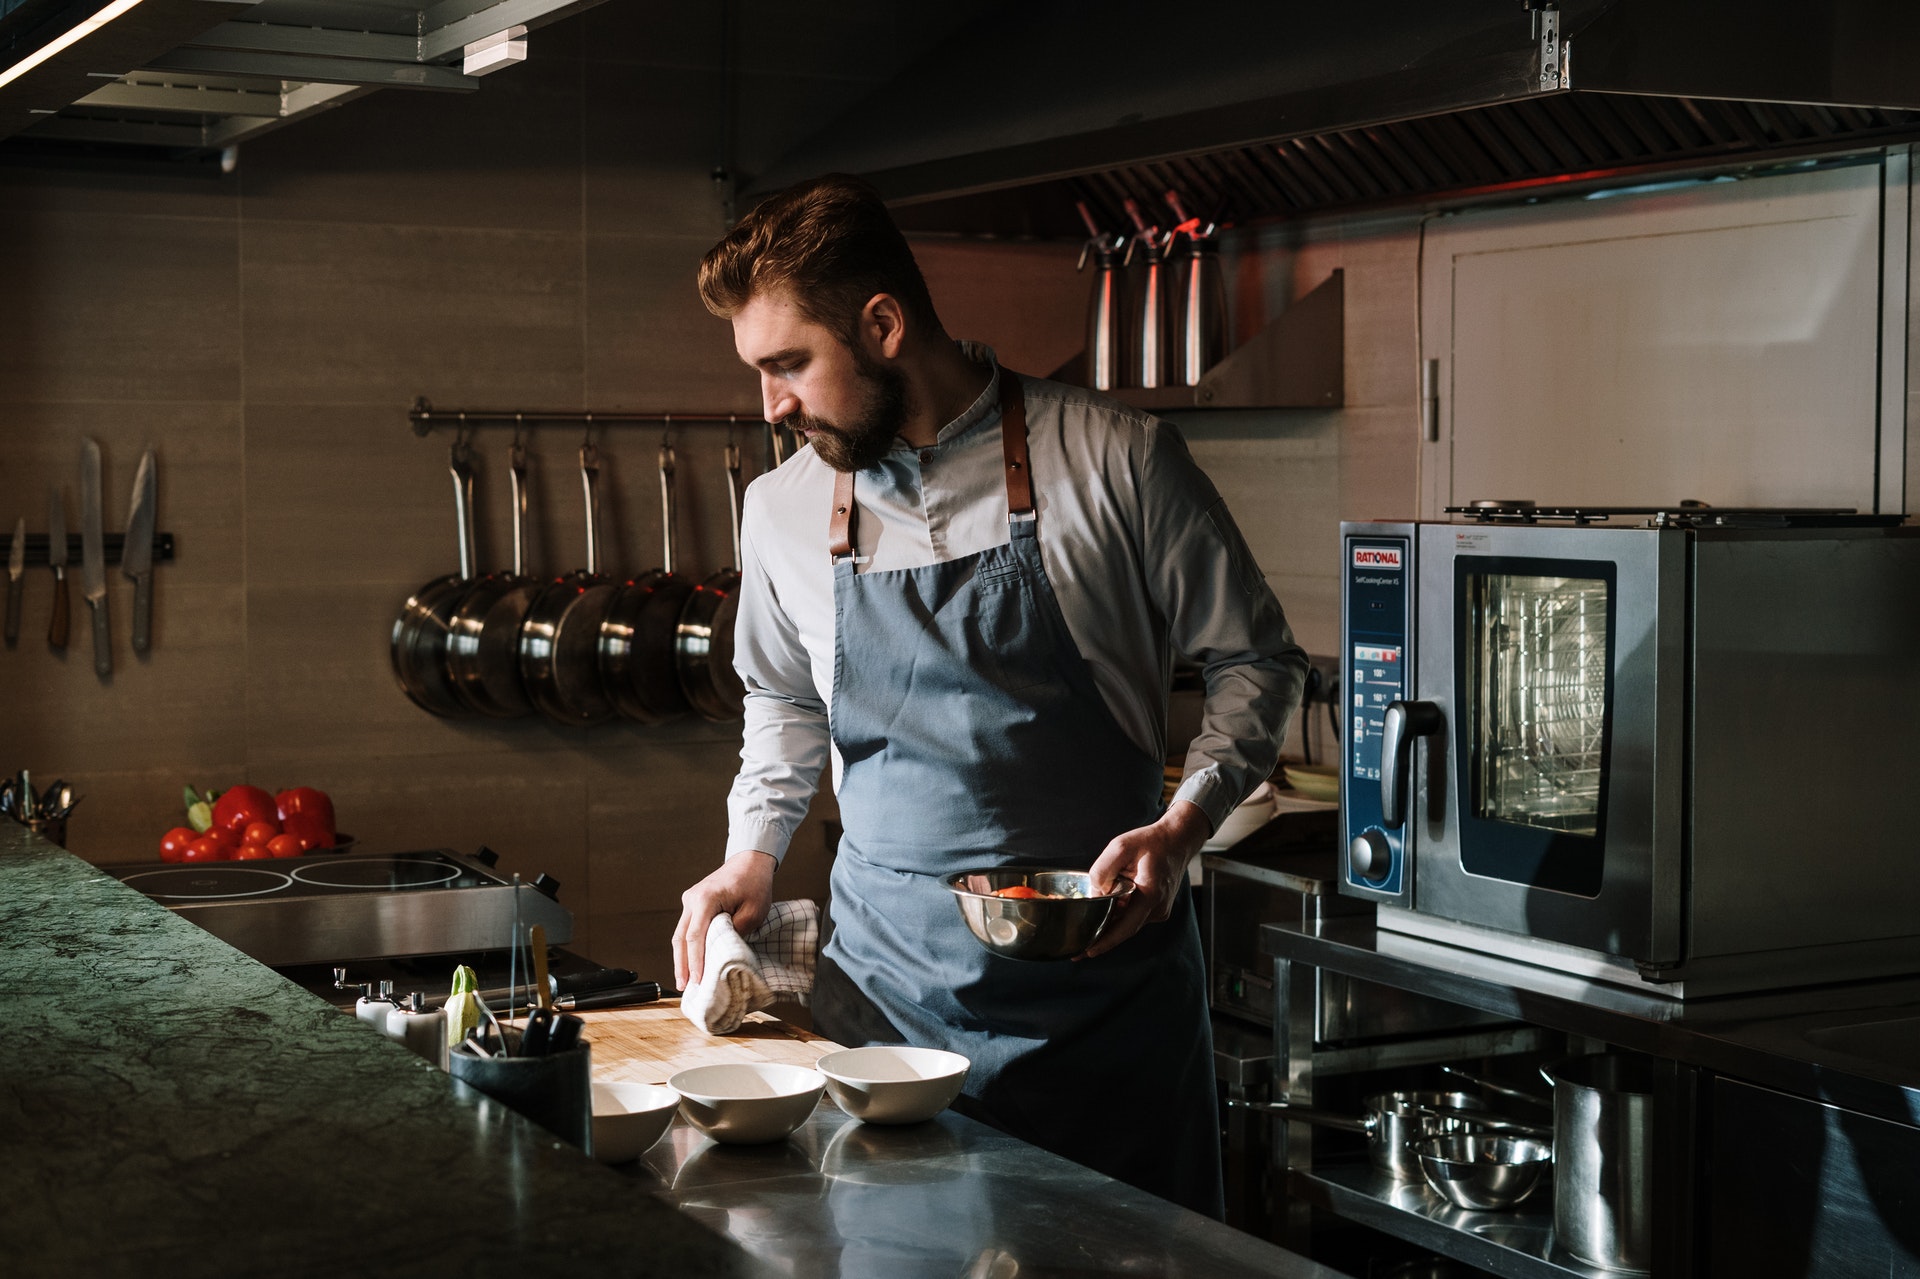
[136, 553]
[57, 560]
[639, 993]
[93, 558]
[537, 943]
[16, 567]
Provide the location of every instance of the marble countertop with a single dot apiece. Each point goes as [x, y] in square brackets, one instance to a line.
[170, 1107]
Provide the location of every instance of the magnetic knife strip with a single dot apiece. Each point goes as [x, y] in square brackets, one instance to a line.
[111, 544]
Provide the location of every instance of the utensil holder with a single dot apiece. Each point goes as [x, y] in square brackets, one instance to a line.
[51, 829]
[554, 1091]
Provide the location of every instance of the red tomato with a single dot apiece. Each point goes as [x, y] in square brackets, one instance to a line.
[205, 850]
[174, 843]
[284, 846]
[240, 807]
[251, 853]
[258, 833]
[1019, 892]
[227, 839]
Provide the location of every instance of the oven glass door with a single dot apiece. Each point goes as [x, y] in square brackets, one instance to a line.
[1534, 667]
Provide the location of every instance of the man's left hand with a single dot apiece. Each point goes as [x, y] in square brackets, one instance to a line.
[1155, 858]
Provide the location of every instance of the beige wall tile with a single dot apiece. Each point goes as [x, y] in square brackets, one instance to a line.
[1024, 300]
[651, 344]
[379, 314]
[117, 306]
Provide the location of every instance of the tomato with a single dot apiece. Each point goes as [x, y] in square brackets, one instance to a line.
[307, 813]
[227, 839]
[1018, 892]
[285, 846]
[242, 806]
[205, 850]
[257, 834]
[252, 853]
[175, 841]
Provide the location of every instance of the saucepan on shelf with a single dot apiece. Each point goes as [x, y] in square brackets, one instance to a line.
[1392, 1122]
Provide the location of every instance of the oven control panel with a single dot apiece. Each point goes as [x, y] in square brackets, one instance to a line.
[1376, 605]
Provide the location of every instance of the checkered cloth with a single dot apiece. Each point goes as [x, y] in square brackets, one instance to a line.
[743, 976]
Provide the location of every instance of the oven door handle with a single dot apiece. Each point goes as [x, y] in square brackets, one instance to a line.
[1403, 722]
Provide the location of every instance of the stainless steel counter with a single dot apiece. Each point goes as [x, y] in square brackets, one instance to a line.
[1855, 1045]
[949, 1197]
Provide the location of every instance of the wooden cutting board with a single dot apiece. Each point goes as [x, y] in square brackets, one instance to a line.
[648, 1044]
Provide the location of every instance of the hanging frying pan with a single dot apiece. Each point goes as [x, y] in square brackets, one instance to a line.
[703, 641]
[562, 631]
[418, 645]
[636, 640]
[483, 651]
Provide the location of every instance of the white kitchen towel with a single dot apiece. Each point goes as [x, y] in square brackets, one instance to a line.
[746, 975]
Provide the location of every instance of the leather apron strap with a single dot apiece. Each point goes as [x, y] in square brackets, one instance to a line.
[843, 527]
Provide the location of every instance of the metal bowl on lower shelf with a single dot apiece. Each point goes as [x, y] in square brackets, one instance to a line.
[1061, 918]
[1481, 1171]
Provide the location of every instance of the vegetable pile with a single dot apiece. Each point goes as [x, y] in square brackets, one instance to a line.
[246, 823]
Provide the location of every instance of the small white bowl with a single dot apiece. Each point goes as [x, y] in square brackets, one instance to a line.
[747, 1102]
[893, 1083]
[629, 1118]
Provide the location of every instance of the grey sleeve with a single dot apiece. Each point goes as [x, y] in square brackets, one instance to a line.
[785, 741]
[1220, 614]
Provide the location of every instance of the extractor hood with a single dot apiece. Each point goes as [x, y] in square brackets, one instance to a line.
[1253, 108]
[184, 79]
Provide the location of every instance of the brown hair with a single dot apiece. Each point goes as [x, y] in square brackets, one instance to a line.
[831, 244]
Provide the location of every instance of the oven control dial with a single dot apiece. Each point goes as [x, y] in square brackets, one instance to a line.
[1370, 856]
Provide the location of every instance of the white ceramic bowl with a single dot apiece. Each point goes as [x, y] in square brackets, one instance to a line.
[628, 1118]
[1255, 811]
[893, 1083]
[746, 1102]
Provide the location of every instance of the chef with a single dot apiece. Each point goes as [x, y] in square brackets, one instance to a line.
[967, 595]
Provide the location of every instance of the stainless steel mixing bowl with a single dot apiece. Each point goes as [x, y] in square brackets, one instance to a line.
[1055, 927]
[1481, 1172]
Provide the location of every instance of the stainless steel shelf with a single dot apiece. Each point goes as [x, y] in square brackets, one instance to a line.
[1517, 1244]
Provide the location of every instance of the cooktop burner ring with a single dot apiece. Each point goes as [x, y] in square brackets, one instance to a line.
[212, 876]
[375, 873]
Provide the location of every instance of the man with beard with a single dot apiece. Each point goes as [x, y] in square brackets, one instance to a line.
[967, 595]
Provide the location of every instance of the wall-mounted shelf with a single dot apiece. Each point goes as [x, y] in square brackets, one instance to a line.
[1298, 361]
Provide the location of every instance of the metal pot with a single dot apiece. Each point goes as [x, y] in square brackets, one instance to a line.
[418, 645]
[703, 641]
[1602, 1191]
[1392, 1123]
[636, 640]
[483, 650]
[560, 639]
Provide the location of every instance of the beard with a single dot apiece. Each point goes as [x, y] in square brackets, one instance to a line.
[858, 444]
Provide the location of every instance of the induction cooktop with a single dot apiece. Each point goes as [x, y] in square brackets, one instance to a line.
[330, 907]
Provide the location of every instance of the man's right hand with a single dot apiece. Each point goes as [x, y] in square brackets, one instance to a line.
[742, 888]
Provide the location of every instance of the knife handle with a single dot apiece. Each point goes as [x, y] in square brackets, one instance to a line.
[62, 607]
[102, 639]
[14, 587]
[142, 612]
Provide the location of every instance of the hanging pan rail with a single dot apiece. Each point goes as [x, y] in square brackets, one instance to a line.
[425, 417]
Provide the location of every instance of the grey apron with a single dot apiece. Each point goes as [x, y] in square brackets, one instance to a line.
[972, 735]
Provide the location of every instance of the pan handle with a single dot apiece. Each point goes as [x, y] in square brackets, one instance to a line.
[517, 470]
[1518, 1094]
[777, 435]
[733, 497]
[666, 507]
[460, 463]
[1308, 1115]
[590, 480]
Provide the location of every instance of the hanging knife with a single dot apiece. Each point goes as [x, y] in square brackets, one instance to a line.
[136, 554]
[93, 558]
[16, 566]
[57, 559]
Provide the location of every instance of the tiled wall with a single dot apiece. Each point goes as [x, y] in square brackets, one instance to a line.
[530, 245]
